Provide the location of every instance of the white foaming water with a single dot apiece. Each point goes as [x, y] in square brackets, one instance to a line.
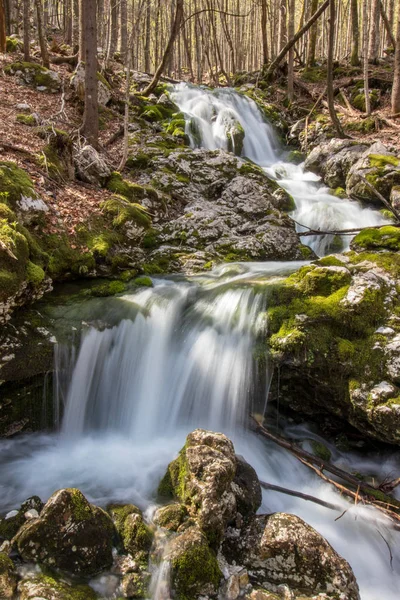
[186, 361]
[210, 117]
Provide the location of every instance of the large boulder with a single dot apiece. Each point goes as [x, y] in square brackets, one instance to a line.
[333, 160]
[78, 84]
[71, 535]
[283, 549]
[90, 166]
[8, 577]
[333, 328]
[212, 482]
[380, 168]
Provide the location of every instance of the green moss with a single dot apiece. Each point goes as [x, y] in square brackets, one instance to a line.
[383, 160]
[385, 238]
[124, 211]
[358, 98]
[313, 74]
[34, 274]
[119, 512]
[131, 191]
[12, 44]
[5, 212]
[172, 516]
[110, 288]
[150, 239]
[143, 281]
[15, 183]
[367, 125]
[26, 120]
[339, 192]
[296, 157]
[35, 74]
[48, 586]
[81, 507]
[139, 162]
[158, 113]
[194, 568]
[235, 137]
[320, 450]
[330, 261]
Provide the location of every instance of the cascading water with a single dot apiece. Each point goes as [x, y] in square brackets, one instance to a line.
[183, 355]
[211, 117]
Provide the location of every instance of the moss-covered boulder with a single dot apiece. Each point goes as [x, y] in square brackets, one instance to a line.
[13, 521]
[235, 135]
[332, 329]
[283, 549]
[134, 535]
[78, 84]
[13, 44]
[380, 168]
[194, 567]
[71, 535]
[46, 587]
[34, 75]
[15, 184]
[8, 577]
[212, 483]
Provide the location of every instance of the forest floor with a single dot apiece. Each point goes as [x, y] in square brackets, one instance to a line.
[71, 202]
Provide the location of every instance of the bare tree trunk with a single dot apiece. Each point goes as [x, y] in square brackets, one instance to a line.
[90, 127]
[365, 57]
[168, 51]
[374, 32]
[82, 33]
[396, 78]
[147, 39]
[27, 25]
[312, 42]
[331, 49]
[282, 24]
[298, 35]
[264, 23]
[355, 31]
[124, 29]
[42, 39]
[114, 27]
[389, 32]
[3, 41]
[290, 79]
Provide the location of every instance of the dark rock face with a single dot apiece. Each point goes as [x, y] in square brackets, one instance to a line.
[247, 488]
[283, 549]
[70, 534]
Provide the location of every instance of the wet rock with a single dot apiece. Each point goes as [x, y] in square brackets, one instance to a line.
[333, 160]
[380, 168]
[135, 535]
[201, 478]
[44, 587]
[8, 577]
[71, 535]
[135, 585]
[247, 489]
[281, 549]
[14, 519]
[171, 517]
[194, 567]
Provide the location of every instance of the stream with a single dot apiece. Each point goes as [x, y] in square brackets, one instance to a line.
[182, 355]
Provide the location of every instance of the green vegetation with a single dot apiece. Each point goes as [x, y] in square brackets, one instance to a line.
[29, 120]
[385, 238]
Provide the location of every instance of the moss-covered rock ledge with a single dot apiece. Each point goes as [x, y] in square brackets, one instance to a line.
[334, 332]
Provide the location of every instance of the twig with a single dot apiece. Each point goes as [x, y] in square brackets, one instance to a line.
[388, 547]
[340, 516]
[312, 232]
[281, 490]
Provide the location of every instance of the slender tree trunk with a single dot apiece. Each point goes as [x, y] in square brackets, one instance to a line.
[331, 49]
[168, 51]
[147, 40]
[389, 32]
[282, 24]
[264, 23]
[27, 26]
[82, 32]
[365, 57]
[396, 78]
[42, 40]
[374, 31]
[90, 128]
[291, 50]
[124, 28]
[312, 42]
[3, 42]
[355, 37]
[114, 27]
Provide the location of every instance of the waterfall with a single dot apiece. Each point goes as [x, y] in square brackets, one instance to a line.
[184, 354]
[210, 116]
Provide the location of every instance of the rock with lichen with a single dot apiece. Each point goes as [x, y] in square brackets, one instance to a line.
[281, 549]
[70, 534]
[134, 534]
[46, 587]
[34, 75]
[78, 84]
[14, 519]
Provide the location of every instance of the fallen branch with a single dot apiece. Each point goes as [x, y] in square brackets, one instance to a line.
[312, 232]
[281, 490]
[381, 198]
[365, 493]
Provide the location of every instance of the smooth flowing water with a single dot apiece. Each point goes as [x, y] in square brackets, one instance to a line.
[186, 354]
[213, 114]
